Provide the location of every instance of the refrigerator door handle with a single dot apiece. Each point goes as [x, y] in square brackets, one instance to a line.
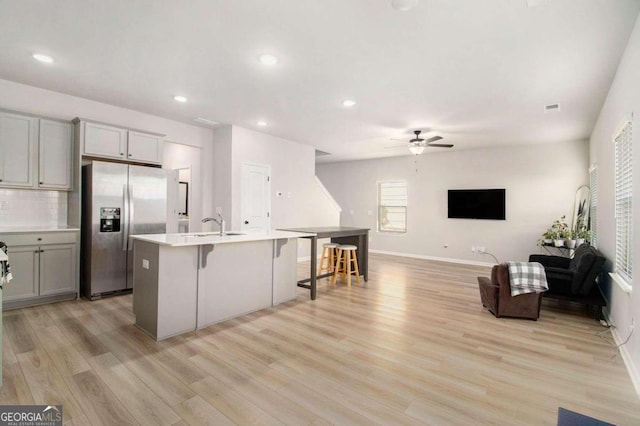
[125, 216]
[131, 213]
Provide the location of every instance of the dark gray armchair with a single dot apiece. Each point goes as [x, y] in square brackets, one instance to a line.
[574, 279]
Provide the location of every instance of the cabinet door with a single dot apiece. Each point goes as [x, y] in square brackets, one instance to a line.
[145, 147]
[24, 268]
[56, 145]
[57, 266]
[104, 141]
[17, 149]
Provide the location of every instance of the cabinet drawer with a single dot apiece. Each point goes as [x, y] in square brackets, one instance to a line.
[39, 238]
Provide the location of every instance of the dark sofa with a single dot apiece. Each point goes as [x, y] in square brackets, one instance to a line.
[574, 279]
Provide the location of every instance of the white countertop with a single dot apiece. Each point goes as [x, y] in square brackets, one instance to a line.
[201, 238]
[28, 228]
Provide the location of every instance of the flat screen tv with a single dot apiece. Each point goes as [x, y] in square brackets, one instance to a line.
[476, 204]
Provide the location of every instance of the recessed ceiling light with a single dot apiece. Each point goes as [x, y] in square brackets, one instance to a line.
[43, 58]
[268, 59]
[348, 103]
[261, 123]
[179, 98]
[404, 5]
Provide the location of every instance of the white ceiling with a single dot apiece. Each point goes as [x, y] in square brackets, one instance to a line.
[478, 73]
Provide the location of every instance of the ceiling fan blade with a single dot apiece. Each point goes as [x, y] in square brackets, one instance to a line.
[440, 145]
[434, 139]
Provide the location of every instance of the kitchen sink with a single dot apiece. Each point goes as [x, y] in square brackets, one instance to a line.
[212, 234]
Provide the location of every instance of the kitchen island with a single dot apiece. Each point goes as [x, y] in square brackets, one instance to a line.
[184, 282]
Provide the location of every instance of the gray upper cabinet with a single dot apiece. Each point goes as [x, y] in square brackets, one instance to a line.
[145, 147]
[17, 150]
[105, 141]
[101, 140]
[55, 159]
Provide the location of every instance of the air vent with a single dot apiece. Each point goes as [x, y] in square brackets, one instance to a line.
[321, 153]
[552, 108]
[206, 121]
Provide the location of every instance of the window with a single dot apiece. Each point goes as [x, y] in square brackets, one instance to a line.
[593, 211]
[624, 216]
[392, 206]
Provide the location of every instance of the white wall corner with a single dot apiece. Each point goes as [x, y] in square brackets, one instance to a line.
[326, 192]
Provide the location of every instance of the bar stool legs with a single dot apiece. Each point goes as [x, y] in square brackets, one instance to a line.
[328, 258]
[346, 264]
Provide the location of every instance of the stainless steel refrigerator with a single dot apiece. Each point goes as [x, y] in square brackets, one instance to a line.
[118, 200]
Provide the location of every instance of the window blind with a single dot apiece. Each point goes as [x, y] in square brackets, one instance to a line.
[624, 194]
[392, 206]
[593, 210]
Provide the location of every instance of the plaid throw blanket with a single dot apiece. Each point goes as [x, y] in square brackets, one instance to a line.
[527, 277]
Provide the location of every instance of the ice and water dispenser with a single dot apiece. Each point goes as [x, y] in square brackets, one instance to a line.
[109, 219]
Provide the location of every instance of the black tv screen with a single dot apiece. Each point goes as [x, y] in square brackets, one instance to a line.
[476, 204]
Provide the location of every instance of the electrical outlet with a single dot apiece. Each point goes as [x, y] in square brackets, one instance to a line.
[218, 210]
[480, 249]
[633, 323]
[473, 249]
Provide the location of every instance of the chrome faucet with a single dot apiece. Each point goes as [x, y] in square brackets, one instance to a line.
[220, 222]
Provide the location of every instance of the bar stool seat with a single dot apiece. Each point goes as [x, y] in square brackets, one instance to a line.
[346, 264]
[328, 258]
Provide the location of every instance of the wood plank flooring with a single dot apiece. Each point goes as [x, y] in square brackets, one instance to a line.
[411, 346]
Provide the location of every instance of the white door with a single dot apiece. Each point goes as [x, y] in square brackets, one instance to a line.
[256, 198]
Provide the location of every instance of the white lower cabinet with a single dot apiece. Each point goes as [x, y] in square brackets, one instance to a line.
[42, 272]
[24, 268]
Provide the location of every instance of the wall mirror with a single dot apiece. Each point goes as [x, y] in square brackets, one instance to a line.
[581, 209]
[183, 198]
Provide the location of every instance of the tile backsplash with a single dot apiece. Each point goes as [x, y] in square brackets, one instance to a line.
[21, 207]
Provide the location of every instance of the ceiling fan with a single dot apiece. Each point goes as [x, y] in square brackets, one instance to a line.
[418, 144]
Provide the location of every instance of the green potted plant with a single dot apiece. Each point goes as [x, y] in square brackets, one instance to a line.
[560, 229]
[570, 238]
[548, 236]
[582, 236]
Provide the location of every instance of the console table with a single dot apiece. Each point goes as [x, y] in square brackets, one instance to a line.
[339, 234]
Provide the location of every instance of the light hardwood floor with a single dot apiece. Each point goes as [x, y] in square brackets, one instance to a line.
[411, 346]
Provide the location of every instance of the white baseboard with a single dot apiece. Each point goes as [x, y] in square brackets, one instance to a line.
[439, 259]
[418, 256]
[626, 356]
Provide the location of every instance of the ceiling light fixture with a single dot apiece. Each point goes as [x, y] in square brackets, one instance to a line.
[268, 59]
[261, 123]
[416, 149]
[179, 98]
[348, 103]
[404, 5]
[43, 58]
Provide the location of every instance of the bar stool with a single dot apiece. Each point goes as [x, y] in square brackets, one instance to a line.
[346, 264]
[328, 258]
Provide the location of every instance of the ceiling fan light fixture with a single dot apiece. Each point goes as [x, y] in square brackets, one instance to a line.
[404, 5]
[416, 149]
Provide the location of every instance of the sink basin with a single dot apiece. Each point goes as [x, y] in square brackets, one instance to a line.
[211, 234]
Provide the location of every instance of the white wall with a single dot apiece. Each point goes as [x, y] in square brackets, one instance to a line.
[34, 100]
[292, 172]
[623, 100]
[540, 183]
